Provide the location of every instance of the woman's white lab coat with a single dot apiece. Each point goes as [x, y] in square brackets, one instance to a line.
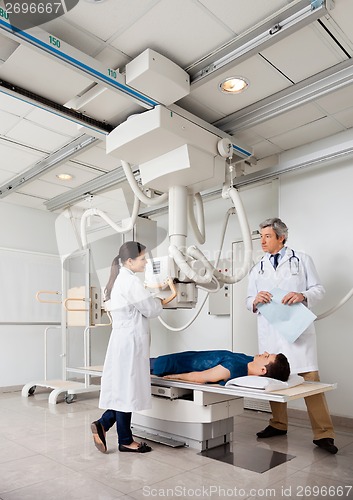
[125, 384]
[302, 354]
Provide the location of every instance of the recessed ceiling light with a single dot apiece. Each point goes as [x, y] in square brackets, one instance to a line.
[234, 85]
[95, 1]
[65, 177]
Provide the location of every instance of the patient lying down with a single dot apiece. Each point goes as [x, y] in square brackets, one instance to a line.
[219, 366]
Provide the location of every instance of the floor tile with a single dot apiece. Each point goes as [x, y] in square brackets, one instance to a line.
[47, 452]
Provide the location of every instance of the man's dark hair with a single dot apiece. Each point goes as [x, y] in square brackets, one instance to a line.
[279, 369]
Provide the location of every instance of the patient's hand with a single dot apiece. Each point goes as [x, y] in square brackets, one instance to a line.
[174, 376]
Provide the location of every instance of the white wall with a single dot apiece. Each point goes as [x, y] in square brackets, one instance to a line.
[27, 229]
[317, 205]
[21, 353]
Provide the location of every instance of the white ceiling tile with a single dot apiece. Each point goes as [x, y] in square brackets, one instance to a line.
[5, 176]
[264, 81]
[183, 31]
[265, 148]
[80, 175]
[52, 121]
[25, 201]
[336, 101]
[7, 121]
[241, 16]
[289, 121]
[43, 75]
[304, 53]
[343, 15]
[73, 35]
[307, 133]
[247, 136]
[97, 157]
[345, 117]
[17, 159]
[43, 189]
[36, 136]
[14, 105]
[105, 19]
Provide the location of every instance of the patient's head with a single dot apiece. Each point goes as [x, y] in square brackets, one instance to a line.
[279, 368]
[270, 365]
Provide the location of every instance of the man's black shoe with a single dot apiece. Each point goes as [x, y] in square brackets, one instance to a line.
[327, 444]
[270, 432]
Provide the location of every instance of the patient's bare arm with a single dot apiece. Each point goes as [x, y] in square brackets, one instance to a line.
[215, 374]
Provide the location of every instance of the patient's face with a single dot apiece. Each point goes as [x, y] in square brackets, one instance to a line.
[264, 359]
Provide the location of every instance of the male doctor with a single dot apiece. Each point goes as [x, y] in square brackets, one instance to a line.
[294, 272]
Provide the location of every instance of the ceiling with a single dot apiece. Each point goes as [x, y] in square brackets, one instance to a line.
[301, 87]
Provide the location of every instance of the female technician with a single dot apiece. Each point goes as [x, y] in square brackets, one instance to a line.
[125, 385]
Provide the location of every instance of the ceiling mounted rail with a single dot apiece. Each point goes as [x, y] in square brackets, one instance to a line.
[286, 21]
[43, 166]
[336, 148]
[311, 89]
[94, 186]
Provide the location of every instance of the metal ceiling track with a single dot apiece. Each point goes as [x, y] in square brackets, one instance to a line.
[311, 89]
[286, 21]
[94, 186]
[335, 148]
[43, 166]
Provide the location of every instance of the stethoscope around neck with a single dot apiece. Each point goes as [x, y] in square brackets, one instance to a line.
[293, 264]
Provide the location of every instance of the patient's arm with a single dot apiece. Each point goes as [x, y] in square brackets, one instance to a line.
[215, 374]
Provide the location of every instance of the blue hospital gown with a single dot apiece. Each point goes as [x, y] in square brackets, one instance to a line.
[196, 361]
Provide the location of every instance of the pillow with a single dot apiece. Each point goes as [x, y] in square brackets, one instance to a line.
[265, 383]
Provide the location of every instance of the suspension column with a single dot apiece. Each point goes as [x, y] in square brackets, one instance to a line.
[178, 199]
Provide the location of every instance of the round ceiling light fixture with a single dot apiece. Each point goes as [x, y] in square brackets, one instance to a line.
[234, 85]
[65, 177]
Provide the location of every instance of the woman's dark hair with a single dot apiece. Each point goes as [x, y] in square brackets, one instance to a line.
[128, 250]
[279, 369]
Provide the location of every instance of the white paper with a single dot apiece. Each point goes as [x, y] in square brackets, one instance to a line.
[289, 320]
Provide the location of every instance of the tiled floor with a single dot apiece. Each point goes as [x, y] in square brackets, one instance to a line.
[46, 452]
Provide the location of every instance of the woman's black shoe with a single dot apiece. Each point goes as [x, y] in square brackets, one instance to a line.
[99, 436]
[142, 448]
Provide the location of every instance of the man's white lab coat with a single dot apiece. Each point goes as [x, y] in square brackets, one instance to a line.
[302, 354]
